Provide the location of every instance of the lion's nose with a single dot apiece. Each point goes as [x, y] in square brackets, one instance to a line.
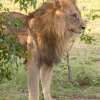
[83, 27]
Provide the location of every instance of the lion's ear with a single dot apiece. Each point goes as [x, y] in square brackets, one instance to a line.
[57, 3]
[61, 3]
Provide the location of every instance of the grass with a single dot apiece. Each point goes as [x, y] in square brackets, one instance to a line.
[84, 60]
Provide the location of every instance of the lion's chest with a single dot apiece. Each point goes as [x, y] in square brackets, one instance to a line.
[46, 45]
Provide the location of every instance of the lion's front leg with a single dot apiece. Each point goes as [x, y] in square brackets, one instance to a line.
[33, 80]
[32, 71]
[46, 75]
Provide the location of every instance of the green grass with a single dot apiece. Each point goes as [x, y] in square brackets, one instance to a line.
[84, 60]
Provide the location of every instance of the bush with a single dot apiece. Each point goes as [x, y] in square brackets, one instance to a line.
[10, 50]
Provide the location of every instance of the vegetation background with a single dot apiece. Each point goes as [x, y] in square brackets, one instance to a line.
[84, 61]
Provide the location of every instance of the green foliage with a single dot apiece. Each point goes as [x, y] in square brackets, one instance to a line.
[87, 39]
[10, 49]
[16, 23]
[24, 4]
[1, 6]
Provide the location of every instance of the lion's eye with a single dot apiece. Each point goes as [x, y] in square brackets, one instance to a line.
[75, 16]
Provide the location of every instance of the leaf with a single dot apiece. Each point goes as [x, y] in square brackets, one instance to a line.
[1, 6]
[34, 3]
[87, 39]
[16, 1]
[95, 16]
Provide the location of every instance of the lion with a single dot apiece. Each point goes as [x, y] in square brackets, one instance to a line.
[47, 33]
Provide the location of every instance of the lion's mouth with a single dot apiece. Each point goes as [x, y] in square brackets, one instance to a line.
[75, 31]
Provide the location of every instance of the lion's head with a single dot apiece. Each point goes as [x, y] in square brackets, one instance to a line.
[59, 16]
[68, 14]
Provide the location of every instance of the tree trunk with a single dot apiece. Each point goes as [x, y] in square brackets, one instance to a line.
[69, 69]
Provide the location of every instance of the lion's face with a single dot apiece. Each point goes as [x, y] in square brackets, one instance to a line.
[70, 16]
